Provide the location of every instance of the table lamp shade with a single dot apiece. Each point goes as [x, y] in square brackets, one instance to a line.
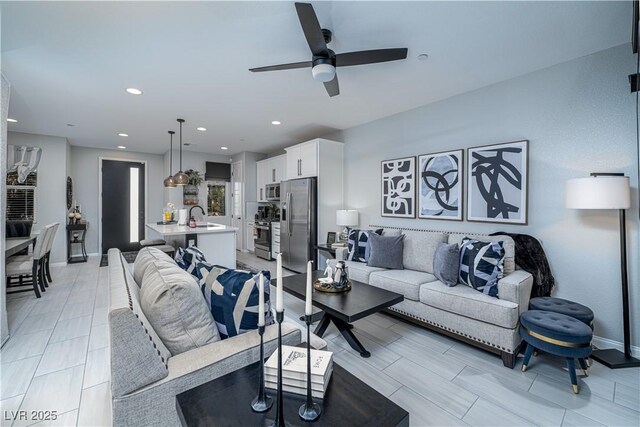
[346, 218]
[598, 192]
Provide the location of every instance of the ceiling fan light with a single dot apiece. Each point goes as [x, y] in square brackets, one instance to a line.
[323, 72]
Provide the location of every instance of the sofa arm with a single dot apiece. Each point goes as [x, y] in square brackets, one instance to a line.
[341, 254]
[516, 287]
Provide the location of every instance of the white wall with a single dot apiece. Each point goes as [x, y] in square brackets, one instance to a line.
[51, 195]
[85, 173]
[579, 117]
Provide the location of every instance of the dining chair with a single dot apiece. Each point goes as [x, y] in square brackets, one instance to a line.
[46, 272]
[33, 265]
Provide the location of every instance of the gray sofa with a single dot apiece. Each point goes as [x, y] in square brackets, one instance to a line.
[459, 311]
[145, 376]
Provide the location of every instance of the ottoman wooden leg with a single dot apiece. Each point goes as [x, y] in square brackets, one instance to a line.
[527, 356]
[571, 365]
[584, 366]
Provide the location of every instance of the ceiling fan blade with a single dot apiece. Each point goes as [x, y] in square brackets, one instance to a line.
[311, 29]
[332, 86]
[293, 65]
[370, 56]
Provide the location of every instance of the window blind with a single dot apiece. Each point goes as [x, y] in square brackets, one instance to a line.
[21, 203]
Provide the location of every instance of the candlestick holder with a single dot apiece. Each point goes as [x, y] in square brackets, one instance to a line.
[262, 402]
[279, 421]
[309, 411]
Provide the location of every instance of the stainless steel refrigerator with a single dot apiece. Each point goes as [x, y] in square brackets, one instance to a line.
[298, 222]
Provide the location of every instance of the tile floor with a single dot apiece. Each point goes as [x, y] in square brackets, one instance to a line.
[58, 359]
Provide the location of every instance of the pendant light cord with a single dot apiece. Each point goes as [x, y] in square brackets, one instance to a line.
[181, 146]
[170, 153]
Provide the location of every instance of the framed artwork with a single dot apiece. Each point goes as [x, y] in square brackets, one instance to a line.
[399, 187]
[440, 182]
[331, 238]
[497, 187]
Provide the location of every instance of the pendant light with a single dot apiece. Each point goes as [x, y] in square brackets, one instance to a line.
[181, 178]
[170, 182]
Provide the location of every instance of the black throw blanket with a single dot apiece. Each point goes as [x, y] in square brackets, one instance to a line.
[531, 258]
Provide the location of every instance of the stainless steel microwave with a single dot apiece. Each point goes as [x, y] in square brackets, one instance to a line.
[273, 192]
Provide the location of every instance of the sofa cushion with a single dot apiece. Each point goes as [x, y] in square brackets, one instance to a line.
[145, 257]
[507, 242]
[358, 271]
[386, 251]
[446, 263]
[358, 244]
[405, 282]
[172, 301]
[419, 248]
[232, 297]
[481, 265]
[465, 301]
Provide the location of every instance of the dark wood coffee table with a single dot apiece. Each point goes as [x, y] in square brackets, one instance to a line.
[344, 308]
[226, 401]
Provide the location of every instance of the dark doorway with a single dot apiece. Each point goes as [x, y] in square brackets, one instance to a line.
[123, 210]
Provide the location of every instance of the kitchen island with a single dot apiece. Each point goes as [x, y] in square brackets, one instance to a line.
[216, 241]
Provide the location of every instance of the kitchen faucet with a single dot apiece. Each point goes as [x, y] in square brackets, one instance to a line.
[201, 209]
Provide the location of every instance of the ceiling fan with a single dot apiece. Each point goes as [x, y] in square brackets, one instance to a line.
[324, 61]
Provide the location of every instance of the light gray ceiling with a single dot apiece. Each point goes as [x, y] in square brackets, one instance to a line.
[70, 63]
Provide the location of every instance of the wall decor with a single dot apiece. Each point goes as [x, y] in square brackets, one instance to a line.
[497, 188]
[69, 192]
[440, 181]
[398, 187]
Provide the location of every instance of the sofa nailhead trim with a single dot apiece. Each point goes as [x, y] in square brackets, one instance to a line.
[447, 328]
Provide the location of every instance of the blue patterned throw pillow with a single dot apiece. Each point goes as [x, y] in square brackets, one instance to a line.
[358, 244]
[481, 265]
[188, 259]
[232, 297]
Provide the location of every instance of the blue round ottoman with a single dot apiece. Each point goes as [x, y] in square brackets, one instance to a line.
[556, 334]
[563, 306]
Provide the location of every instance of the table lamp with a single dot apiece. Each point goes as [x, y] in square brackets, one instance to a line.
[346, 218]
[608, 191]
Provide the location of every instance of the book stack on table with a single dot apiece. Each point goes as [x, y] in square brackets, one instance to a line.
[294, 371]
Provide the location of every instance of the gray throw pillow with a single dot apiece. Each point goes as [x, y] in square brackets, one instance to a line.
[172, 301]
[446, 263]
[386, 251]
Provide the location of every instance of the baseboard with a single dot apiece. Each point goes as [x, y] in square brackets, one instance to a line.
[607, 343]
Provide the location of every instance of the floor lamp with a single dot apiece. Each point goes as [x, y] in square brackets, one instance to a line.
[608, 191]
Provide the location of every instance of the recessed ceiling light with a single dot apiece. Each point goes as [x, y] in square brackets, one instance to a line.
[122, 147]
[201, 129]
[70, 125]
[133, 91]
[423, 57]
[123, 134]
[223, 148]
[12, 120]
[275, 122]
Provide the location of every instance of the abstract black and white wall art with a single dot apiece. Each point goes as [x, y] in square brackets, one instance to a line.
[440, 185]
[398, 187]
[497, 190]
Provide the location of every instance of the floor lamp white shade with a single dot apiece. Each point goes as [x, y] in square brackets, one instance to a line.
[598, 192]
[347, 217]
[609, 191]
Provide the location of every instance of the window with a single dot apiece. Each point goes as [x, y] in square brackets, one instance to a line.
[21, 198]
[216, 199]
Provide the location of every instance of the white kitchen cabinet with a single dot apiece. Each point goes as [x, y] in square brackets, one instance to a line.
[302, 160]
[275, 239]
[269, 171]
[250, 237]
[261, 176]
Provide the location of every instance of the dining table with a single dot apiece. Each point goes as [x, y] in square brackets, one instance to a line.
[13, 245]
